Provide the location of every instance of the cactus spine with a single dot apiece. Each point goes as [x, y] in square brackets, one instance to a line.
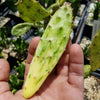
[95, 52]
[49, 50]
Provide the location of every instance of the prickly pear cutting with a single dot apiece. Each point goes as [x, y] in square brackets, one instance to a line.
[50, 48]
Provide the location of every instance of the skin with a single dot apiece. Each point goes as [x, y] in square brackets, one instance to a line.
[64, 83]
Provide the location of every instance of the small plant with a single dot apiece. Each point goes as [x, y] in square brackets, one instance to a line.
[4, 41]
[39, 32]
[86, 51]
[16, 80]
[3, 33]
[93, 53]
[19, 45]
[21, 48]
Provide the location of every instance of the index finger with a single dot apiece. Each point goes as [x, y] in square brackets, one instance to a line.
[32, 47]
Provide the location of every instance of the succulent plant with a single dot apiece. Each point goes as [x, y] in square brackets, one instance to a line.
[31, 10]
[50, 48]
[95, 52]
[35, 14]
[87, 70]
[21, 29]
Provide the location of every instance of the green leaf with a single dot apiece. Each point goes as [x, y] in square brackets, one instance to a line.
[21, 29]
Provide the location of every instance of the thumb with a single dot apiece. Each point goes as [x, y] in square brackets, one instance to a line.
[4, 76]
[76, 63]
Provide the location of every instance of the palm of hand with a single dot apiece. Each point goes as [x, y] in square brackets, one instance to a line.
[64, 83]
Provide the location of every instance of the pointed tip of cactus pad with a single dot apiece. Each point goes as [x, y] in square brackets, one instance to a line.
[49, 50]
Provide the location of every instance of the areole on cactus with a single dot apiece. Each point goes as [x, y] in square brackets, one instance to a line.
[50, 48]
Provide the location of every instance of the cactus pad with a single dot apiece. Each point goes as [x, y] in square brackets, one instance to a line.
[50, 48]
[87, 70]
[21, 29]
[95, 52]
[31, 11]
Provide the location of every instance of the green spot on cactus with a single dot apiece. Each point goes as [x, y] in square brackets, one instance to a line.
[50, 49]
[39, 80]
[29, 76]
[55, 52]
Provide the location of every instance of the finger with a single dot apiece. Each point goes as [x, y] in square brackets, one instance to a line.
[4, 70]
[76, 63]
[4, 76]
[62, 66]
[5, 93]
[32, 47]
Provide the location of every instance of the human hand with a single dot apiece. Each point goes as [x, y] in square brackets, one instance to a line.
[64, 83]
